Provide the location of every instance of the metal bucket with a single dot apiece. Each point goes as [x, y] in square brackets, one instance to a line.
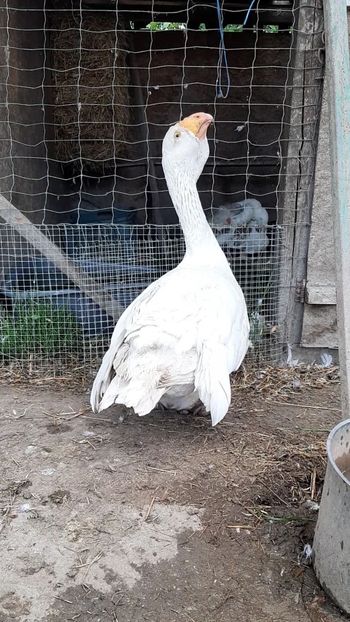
[332, 536]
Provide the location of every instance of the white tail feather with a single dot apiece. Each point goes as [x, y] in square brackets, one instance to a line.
[109, 397]
[140, 393]
[212, 382]
[104, 375]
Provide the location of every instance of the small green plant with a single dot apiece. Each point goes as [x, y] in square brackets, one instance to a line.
[271, 28]
[257, 328]
[234, 28]
[39, 328]
[155, 26]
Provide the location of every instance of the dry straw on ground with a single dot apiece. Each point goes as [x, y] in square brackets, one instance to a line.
[91, 98]
[271, 382]
[266, 381]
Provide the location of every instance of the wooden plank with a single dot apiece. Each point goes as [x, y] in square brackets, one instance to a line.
[287, 199]
[12, 216]
[312, 41]
[299, 170]
[338, 67]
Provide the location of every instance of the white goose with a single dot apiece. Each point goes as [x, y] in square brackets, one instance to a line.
[181, 337]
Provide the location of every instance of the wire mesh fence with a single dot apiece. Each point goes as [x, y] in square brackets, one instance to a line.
[87, 91]
[44, 316]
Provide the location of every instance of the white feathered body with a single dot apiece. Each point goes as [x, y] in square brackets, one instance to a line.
[177, 342]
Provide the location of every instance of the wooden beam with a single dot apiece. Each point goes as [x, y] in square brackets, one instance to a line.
[12, 216]
[300, 165]
[338, 70]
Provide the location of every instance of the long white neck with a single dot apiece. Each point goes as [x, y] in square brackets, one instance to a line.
[197, 232]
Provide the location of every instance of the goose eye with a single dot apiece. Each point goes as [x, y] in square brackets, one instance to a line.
[177, 134]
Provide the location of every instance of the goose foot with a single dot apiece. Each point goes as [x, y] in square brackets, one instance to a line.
[160, 407]
[123, 412]
[197, 410]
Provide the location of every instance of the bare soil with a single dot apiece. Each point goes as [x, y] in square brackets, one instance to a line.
[164, 519]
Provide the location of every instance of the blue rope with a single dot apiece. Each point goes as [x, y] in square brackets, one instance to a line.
[248, 12]
[222, 57]
[222, 52]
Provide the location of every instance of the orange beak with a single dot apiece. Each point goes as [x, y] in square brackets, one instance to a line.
[197, 123]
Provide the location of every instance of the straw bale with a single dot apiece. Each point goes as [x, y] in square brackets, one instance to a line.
[91, 96]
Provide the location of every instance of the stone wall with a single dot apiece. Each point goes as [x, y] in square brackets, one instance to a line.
[320, 317]
[319, 322]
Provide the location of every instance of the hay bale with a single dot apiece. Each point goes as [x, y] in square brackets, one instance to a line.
[91, 97]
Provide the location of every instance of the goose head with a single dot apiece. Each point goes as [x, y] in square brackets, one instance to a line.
[185, 146]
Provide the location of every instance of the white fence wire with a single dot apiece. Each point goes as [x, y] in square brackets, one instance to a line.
[45, 315]
[87, 91]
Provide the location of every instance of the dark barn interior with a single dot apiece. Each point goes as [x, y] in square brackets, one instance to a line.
[111, 153]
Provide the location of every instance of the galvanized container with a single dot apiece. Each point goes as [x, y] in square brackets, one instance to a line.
[332, 536]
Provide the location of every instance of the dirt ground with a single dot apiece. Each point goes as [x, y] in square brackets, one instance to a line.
[164, 519]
